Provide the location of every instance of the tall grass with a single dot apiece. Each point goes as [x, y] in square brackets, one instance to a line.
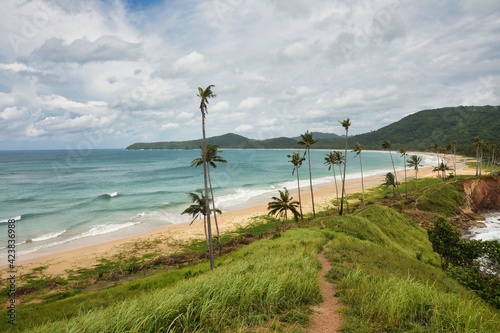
[405, 305]
[276, 277]
[390, 279]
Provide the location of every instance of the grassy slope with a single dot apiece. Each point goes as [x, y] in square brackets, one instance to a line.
[388, 278]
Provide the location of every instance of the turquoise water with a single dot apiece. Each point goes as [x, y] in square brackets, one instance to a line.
[75, 198]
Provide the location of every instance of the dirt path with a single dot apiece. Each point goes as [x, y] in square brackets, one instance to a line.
[326, 317]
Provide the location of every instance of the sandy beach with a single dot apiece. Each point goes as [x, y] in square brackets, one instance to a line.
[171, 237]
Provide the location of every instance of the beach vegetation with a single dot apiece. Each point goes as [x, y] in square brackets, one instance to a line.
[297, 160]
[331, 160]
[307, 140]
[279, 206]
[403, 154]
[415, 162]
[390, 180]
[358, 148]
[205, 95]
[346, 123]
[478, 145]
[387, 145]
[212, 159]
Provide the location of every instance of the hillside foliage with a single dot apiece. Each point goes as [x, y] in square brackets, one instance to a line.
[418, 131]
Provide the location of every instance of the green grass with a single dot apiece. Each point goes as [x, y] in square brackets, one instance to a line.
[273, 279]
[390, 279]
[387, 276]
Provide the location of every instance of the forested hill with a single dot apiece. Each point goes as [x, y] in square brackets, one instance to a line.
[418, 131]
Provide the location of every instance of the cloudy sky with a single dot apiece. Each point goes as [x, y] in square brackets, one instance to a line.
[104, 74]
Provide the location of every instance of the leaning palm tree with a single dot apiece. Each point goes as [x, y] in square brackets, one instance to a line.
[204, 95]
[282, 204]
[297, 160]
[414, 162]
[346, 123]
[199, 207]
[308, 141]
[386, 144]
[211, 158]
[331, 160]
[358, 148]
[403, 153]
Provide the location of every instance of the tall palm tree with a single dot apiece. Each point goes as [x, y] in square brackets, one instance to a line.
[331, 160]
[282, 204]
[211, 158]
[346, 123]
[358, 148]
[308, 141]
[403, 153]
[297, 160]
[414, 162]
[386, 144]
[205, 95]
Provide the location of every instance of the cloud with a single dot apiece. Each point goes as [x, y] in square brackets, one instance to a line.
[250, 103]
[104, 48]
[130, 73]
[193, 63]
[220, 106]
[296, 50]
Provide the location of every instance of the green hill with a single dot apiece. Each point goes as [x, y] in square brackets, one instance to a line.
[418, 131]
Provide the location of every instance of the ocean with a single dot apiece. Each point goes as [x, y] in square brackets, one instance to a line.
[69, 199]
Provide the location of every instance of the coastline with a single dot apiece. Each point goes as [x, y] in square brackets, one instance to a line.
[169, 238]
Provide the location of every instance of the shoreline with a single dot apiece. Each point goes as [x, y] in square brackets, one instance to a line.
[169, 238]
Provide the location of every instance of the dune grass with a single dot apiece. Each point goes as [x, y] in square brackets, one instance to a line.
[277, 278]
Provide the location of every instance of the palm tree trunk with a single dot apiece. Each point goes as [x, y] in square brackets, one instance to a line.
[300, 200]
[362, 182]
[215, 213]
[207, 201]
[343, 178]
[406, 181]
[336, 186]
[394, 169]
[310, 181]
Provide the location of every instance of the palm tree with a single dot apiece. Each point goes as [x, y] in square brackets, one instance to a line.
[199, 207]
[308, 141]
[442, 168]
[414, 162]
[453, 148]
[478, 144]
[390, 180]
[282, 204]
[346, 123]
[332, 159]
[403, 153]
[358, 148]
[204, 95]
[297, 160]
[211, 158]
[386, 144]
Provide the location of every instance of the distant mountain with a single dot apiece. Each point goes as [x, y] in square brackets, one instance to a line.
[418, 131]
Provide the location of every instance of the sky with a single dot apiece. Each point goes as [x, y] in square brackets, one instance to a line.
[105, 74]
